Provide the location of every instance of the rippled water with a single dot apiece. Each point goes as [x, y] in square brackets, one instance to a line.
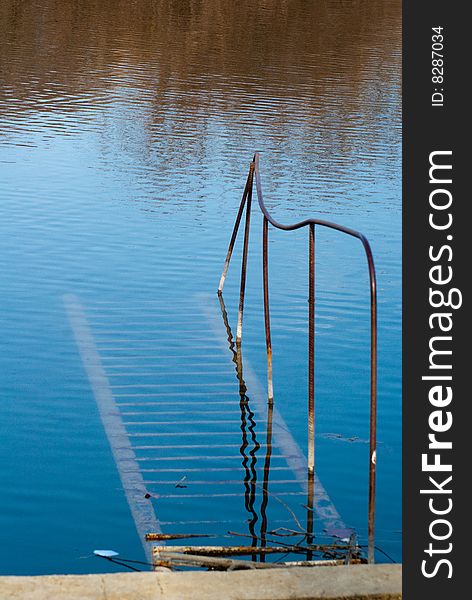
[126, 133]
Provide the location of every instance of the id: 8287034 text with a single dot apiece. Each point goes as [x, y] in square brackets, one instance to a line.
[437, 65]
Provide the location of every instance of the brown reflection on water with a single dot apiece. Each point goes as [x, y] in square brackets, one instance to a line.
[171, 88]
[54, 51]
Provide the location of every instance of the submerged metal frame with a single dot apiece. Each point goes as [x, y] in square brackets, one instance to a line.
[254, 173]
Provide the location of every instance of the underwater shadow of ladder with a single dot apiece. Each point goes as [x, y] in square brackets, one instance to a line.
[318, 500]
[132, 479]
[128, 468]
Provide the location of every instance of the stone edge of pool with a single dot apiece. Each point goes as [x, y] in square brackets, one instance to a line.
[372, 582]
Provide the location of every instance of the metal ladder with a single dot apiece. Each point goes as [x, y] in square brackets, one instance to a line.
[245, 205]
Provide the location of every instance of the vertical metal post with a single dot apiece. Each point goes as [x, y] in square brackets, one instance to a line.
[265, 483]
[311, 352]
[265, 272]
[310, 505]
[235, 229]
[373, 408]
[311, 387]
[239, 331]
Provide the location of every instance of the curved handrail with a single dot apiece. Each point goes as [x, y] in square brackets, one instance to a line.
[373, 310]
[254, 171]
[300, 224]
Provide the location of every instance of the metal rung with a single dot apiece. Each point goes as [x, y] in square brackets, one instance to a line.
[205, 422]
[223, 403]
[186, 458]
[210, 434]
[226, 495]
[164, 385]
[166, 374]
[163, 394]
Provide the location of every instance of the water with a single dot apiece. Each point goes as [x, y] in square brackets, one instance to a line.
[126, 133]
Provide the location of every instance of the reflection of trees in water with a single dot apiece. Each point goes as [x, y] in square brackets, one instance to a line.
[172, 84]
[197, 47]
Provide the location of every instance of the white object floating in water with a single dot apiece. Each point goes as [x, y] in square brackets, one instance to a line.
[106, 553]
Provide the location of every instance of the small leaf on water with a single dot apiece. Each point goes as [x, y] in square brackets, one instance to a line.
[106, 553]
[339, 532]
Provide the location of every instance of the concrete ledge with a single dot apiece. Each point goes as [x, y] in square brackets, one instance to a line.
[359, 582]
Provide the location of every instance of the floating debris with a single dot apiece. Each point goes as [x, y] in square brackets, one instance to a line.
[181, 482]
[106, 553]
[164, 558]
[343, 438]
[155, 537]
[340, 532]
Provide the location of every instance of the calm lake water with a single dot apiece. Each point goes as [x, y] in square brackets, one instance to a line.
[126, 132]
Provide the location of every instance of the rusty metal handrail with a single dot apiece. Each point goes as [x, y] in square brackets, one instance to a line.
[246, 201]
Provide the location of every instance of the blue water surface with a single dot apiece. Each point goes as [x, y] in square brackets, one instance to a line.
[126, 134]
